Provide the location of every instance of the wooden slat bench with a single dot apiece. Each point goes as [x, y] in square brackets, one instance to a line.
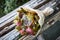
[9, 21]
[10, 17]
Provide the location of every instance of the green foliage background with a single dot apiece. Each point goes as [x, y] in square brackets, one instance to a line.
[7, 6]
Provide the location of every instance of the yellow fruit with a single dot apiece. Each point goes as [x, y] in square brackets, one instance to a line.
[20, 11]
[15, 21]
[18, 28]
[16, 17]
[36, 27]
[30, 16]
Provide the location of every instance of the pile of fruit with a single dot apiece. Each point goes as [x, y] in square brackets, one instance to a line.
[27, 22]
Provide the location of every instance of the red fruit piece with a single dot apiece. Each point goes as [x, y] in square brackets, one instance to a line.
[22, 32]
[29, 30]
[18, 23]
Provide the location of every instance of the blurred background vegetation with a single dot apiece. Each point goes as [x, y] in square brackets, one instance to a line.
[7, 6]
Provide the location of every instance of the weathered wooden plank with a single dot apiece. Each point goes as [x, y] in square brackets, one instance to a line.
[7, 29]
[9, 34]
